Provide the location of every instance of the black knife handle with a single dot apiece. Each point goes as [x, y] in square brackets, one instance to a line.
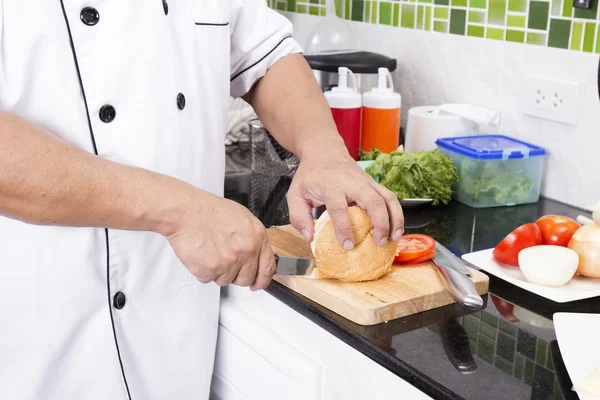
[456, 346]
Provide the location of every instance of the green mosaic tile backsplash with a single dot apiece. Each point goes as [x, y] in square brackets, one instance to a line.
[552, 23]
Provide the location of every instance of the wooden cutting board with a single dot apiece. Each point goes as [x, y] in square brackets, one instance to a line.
[406, 290]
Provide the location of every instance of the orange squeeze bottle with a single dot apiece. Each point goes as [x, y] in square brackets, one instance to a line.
[381, 115]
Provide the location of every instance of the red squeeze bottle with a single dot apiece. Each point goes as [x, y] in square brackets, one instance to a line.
[346, 107]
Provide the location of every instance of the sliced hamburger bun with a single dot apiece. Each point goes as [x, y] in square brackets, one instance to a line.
[365, 262]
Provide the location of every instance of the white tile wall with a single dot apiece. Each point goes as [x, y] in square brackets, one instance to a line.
[440, 68]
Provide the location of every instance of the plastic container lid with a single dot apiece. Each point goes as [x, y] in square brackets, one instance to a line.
[490, 147]
[342, 96]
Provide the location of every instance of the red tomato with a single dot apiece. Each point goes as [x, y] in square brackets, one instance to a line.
[414, 246]
[504, 308]
[421, 259]
[557, 230]
[508, 249]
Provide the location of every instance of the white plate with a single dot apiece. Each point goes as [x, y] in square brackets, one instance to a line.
[577, 336]
[409, 203]
[577, 288]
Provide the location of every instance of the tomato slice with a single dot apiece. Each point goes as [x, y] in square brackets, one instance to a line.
[557, 230]
[414, 246]
[508, 249]
[421, 259]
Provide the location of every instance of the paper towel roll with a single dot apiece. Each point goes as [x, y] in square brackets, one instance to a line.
[425, 125]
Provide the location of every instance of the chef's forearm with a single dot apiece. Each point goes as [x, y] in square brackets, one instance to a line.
[46, 181]
[289, 102]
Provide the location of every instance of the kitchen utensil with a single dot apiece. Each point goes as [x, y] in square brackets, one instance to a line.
[577, 288]
[406, 290]
[332, 44]
[448, 258]
[294, 266]
[363, 64]
[461, 288]
[331, 35]
[456, 346]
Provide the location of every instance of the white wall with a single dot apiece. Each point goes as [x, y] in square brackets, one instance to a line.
[441, 68]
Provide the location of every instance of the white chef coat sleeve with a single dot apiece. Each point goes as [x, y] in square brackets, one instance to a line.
[259, 37]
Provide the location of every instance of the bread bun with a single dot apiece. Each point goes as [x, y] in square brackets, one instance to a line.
[365, 262]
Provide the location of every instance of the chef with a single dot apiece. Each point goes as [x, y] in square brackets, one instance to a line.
[115, 237]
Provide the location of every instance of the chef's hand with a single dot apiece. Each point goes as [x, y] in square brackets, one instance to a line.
[336, 181]
[221, 241]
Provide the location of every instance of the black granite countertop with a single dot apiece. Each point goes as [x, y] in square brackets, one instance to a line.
[507, 351]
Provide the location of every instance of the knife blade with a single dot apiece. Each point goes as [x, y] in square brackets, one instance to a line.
[447, 257]
[294, 266]
[459, 285]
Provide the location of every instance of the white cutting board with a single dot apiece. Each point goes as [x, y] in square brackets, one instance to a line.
[577, 288]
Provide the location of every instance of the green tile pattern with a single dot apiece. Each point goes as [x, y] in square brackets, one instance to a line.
[538, 15]
[476, 31]
[440, 26]
[516, 21]
[537, 39]
[477, 17]
[512, 349]
[458, 19]
[385, 13]
[552, 23]
[497, 12]
[576, 35]
[517, 5]
[588, 38]
[408, 16]
[495, 33]
[515, 36]
[559, 34]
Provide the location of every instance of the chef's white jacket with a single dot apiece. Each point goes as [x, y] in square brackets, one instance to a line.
[90, 313]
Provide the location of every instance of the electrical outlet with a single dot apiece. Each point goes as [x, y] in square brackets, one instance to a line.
[549, 99]
[582, 4]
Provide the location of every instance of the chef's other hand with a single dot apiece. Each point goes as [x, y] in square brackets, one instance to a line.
[336, 181]
[221, 241]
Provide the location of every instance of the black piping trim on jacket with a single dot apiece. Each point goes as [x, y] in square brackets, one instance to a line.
[259, 61]
[105, 230]
[211, 24]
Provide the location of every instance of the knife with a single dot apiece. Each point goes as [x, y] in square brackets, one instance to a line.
[294, 266]
[455, 274]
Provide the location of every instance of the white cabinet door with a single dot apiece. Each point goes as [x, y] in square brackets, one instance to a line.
[268, 351]
[254, 363]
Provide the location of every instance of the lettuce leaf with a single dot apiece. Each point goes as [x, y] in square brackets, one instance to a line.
[426, 174]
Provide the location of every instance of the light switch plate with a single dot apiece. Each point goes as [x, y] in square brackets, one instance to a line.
[550, 99]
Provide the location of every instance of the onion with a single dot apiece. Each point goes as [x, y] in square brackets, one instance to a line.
[548, 265]
[586, 243]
